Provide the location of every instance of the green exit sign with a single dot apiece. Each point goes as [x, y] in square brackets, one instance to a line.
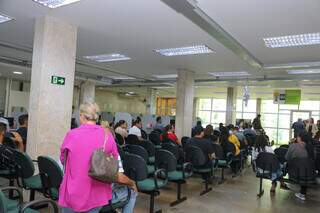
[58, 80]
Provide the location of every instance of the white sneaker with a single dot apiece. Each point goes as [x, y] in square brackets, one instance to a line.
[300, 196]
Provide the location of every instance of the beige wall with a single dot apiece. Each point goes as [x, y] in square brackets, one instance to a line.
[112, 102]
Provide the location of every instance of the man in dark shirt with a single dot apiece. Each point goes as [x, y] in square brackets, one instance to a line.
[297, 127]
[204, 144]
[23, 129]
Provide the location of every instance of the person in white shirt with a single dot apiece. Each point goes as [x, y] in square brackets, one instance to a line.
[136, 128]
[262, 146]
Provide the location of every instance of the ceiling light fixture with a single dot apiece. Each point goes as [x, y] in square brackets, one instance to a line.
[293, 40]
[190, 50]
[55, 3]
[121, 77]
[306, 71]
[168, 76]
[107, 57]
[4, 18]
[17, 73]
[229, 74]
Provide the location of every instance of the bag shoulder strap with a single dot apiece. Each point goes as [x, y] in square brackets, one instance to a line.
[105, 139]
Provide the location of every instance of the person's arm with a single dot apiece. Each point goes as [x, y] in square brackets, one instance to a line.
[123, 179]
[18, 140]
[289, 153]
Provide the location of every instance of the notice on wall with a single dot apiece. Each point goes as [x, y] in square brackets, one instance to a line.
[287, 97]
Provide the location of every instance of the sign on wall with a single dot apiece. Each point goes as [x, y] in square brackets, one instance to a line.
[58, 80]
[287, 97]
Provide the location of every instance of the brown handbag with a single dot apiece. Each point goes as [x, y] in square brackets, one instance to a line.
[103, 166]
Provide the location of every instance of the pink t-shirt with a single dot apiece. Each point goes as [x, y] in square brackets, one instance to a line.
[78, 191]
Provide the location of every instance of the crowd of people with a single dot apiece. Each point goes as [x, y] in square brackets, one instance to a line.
[93, 195]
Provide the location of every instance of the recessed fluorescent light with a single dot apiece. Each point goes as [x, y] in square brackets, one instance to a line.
[293, 40]
[190, 50]
[121, 77]
[4, 18]
[307, 71]
[229, 74]
[166, 76]
[17, 73]
[55, 3]
[107, 57]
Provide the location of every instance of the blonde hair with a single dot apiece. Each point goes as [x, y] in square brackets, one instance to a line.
[90, 111]
[105, 124]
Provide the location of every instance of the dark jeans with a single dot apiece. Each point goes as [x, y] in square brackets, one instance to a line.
[303, 190]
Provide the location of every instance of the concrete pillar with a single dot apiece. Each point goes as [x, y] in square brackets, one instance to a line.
[231, 105]
[54, 54]
[195, 108]
[8, 91]
[185, 94]
[258, 105]
[87, 91]
[151, 101]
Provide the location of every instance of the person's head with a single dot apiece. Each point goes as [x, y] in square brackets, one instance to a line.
[318, 122]
[261, 142]
[89, 113]
[23, 120]
[303, 137]
[137, 123]
[258, 116]
[235, 129]
[208, 132]
[317, 136]
[123, 124]
[159, 120]
[224, 135]
[168, 128]
[199, 132]
[199, 123]
[299, 120]
[311, 120]
[230, 127]
[3, 129]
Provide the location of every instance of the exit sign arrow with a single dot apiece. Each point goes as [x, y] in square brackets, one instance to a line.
[58, 80]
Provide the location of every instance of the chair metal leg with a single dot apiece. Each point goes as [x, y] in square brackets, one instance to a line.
[222, 176]
[11, 183]
[179, 198]
[32, 194]
[207, 189]
[261, 191]
[152, 196]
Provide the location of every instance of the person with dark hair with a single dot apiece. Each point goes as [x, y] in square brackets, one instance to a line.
[257, 123]
[170, 135]
[10, 139]
[204, 144]
[302, 148]
[193, 131]
[209, 133]
[23, 129]
[121, 128]
[158, 125]
[262, 145]
[136, 128]
[297, 127]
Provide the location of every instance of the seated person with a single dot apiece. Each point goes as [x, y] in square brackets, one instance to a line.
[136, 128]
[193, 131]
[120, 192]
[23, 128]
[10, 139]
[210, 134]
[262, 146]
[169, 135]
[302, 148]
[158, 125]
[203, 143]
[240, 136]
[233, 139]
[121, 128]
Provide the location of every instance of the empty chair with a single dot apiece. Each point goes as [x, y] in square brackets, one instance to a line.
[166, 160]
[133, 140]
[196, 157]
[135, 168]
[142, 152]
[25, 172]
[268, 166]
[150, 149]
[222, 161]
[17, 206]
[155, 138]
[51, 176]
[285, 146]
[7, 166]
[176, 151]
[144, 135]
[184, 141]
[281, 154]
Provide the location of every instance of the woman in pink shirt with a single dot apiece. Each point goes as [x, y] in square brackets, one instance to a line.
[78, 191]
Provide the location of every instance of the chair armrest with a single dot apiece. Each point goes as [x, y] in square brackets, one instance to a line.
[160, 173]
[42, 201]
[14, 189]
[185, 168]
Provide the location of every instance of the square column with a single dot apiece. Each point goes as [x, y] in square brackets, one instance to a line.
[185, 94]
[87, 92]
[54, 54]
[231, 105]
[151, 102]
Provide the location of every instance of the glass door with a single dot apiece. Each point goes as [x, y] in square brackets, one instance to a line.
[295, 114]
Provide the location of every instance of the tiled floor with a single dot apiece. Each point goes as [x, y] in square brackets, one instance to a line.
[235, 195]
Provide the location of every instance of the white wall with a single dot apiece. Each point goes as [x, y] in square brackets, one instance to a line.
[111, 102]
